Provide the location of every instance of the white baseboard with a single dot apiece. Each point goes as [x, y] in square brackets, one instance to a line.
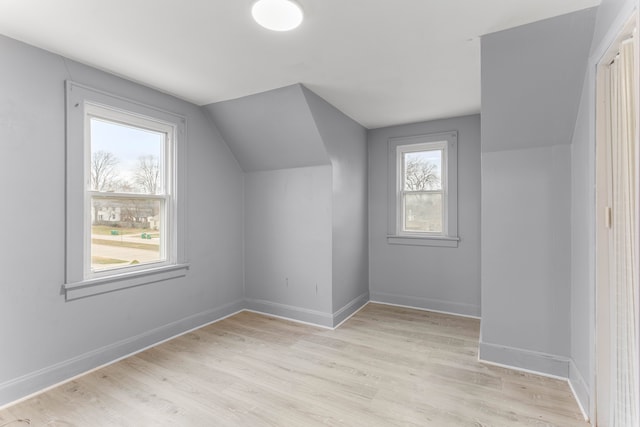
[352, 307]
[579, 389]
[307, 316]
[290, 312]
[539, 364]
[525, 360]
[23, 387]
[447, 307]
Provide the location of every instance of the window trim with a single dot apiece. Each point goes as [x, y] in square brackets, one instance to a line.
[397, 146]
[80, 282]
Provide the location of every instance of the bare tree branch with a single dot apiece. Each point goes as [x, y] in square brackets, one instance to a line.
[421, 175]
[103, 170]
[147, 174]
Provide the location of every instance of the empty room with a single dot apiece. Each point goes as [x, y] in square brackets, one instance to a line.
[319, 212]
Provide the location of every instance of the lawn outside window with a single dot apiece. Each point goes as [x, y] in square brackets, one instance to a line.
[422, 196]
[124, 176]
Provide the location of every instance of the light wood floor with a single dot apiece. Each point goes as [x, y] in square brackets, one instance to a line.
[386, 366]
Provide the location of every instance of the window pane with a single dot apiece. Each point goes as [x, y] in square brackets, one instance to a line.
[422, 170]
[126, 159]
[423, 212]
[125, 232]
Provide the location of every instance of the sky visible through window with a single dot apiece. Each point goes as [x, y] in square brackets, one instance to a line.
[128, 144]
[432, 156]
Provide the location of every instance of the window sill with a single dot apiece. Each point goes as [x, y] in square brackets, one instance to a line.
[447, 242]
[102, 285]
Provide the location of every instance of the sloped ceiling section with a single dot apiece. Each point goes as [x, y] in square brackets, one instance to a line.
[339, 132]
[532, 79]
[270, 130]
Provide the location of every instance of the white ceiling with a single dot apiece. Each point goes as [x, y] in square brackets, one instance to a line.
[382, 62]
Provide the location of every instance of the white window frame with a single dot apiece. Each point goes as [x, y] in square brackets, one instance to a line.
[397, 147]
[168, 254]
[401, 150]
[83, 103]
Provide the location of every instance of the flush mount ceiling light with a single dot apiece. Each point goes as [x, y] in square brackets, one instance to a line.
[277, 15]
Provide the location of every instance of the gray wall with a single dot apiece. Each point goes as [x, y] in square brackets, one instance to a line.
[288, 243]
[270, 130]
[611, 15]
[282, 138]
[531, 82]
[435, 278]
[583, 249]
[346, 144]
[45, 339]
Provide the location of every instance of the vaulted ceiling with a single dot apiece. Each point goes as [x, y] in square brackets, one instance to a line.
[381, 62]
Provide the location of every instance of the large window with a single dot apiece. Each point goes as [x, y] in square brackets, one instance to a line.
[422, 190]
[130, 190]
[123, 211]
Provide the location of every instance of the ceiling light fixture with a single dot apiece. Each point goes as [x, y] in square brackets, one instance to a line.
[277, 15]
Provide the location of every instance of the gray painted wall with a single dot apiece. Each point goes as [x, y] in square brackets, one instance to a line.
[346, 144]
[288, 242]
[45, 339]
[435, 278]
[611, 15]
[531, 81]
[583, 250]
[270, 130]
[282, 138]
[526, 252]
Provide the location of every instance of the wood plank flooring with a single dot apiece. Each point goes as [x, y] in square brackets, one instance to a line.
[386, 366]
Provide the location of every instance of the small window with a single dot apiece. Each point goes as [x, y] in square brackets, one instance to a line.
[422, 190]
[124, 219]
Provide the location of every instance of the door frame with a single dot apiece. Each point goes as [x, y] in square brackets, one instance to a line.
[604, 353]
